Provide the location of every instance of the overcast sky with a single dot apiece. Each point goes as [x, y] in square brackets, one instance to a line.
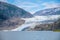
[34, 5]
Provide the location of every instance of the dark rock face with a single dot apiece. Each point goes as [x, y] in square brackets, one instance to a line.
[51, 11]
[57, 24]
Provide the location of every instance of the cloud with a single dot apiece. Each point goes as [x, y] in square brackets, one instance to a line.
[3, 0]
[33, 7]
[51, 5]
[28, 6]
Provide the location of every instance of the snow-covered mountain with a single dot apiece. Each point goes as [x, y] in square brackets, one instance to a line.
[8, 11]
[50, 11]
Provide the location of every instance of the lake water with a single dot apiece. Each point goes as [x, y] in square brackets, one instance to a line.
[25, 35]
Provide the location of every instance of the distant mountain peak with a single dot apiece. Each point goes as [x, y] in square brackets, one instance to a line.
[50, 11]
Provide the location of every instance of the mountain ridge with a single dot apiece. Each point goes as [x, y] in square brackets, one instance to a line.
[49, 11]
[13, 10]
